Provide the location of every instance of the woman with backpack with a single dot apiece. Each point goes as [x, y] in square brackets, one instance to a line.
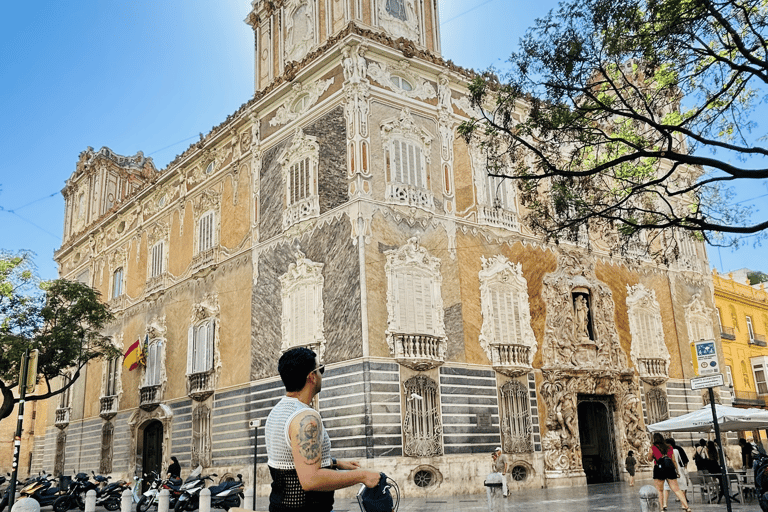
[665, 469]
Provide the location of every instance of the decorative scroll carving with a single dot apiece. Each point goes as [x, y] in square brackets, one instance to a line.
[698, 318]
[299, 29]
[563, 347]
[208, 307]
[300, 100]
[208, 200]
[419, 88]
[158, 231]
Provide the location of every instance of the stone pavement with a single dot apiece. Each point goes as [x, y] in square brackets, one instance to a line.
[616, 496]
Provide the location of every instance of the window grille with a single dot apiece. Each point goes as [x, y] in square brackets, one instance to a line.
[158, 262]
[61, 444]
[107, 436]
[656, 402]
[516, 429]
[422, 428]
[206, 233]
[201, 436]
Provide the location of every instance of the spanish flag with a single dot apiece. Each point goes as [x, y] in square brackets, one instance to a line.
[133, 356]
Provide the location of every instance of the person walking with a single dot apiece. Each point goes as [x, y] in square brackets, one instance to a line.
[682, 481]
[665, 469]
[174, 471]
[700, 455]
[630, 462]
[298, 446]
[500, 465]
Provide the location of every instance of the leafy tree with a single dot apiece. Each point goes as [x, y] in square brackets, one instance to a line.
[757, 277]
[60, 318]
[633, 116]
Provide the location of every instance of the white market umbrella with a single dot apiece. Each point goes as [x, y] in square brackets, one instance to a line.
[729, 419]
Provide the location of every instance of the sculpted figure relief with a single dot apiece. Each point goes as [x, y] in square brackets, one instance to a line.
[582, 319]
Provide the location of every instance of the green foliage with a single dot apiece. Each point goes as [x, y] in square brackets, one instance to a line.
[643, 109]
[61, 319]
[757, 278]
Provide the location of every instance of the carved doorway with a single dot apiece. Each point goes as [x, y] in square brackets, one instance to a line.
[597, 436]
[152, 448]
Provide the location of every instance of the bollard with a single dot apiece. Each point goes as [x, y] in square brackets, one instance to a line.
[249, 500]
[90, 501]
[495, 493]
[126, 501]
[164, 500]
[649, 499]
[26, 505]
[205, 500]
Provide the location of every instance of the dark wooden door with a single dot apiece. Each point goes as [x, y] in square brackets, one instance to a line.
[152, 456]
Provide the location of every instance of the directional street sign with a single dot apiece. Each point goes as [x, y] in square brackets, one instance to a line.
[706, 357]
[708, 381]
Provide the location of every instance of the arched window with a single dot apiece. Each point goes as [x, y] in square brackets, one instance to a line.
[206, 232]
[422, 429]
[407, 152]
[117, 283]
[656, 403]
[107, 435]
[516, 429]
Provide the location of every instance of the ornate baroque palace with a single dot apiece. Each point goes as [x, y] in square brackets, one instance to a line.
[338, 209]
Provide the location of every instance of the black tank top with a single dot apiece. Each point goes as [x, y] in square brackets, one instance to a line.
[288, 496]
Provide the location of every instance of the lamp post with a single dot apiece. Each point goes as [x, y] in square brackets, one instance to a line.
[255, 424]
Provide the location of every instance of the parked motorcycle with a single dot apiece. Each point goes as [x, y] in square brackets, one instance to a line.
[152, 495]
[225, 495]
[109, 495]
[74, 496]
[7, 490]
[41, 489]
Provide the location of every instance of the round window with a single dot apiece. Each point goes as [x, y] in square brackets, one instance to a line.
[423, 478]
[121, 226]
[519, 473]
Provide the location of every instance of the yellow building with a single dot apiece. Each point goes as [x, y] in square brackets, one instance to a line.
[743, 315]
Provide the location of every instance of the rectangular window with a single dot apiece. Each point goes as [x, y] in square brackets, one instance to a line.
[406, 160]
[300, 176]
[760, 371]
[201, 350]
[749, 328]
[729, 376]
[154, 363]
[507, 316]
[113, 367]
[206, 232]
[415, 302]
[117, 283]
[498, 192]
[158, 261]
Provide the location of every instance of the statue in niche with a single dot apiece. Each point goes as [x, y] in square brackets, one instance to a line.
[396, 9]
[582, 323]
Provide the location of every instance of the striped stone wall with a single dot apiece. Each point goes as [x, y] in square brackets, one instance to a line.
[465, 395]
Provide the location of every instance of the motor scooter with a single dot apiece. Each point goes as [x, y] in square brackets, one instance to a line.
[41, 489]
[227, 494]
[74, 496]
[152, 495]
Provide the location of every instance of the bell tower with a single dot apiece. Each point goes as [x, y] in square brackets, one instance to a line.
[288, 31]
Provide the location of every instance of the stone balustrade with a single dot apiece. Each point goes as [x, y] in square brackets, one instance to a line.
[149, 397]
[498, 217]
[200, 385]
[511, 359]
[205, 259]
[652, 368]
[157, 283]
[108, 406]
[419, 351]
[62, 416]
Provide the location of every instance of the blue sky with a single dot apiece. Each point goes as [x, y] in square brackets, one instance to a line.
[151, 75]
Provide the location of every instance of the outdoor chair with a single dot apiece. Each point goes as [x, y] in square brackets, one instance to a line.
[704, 485]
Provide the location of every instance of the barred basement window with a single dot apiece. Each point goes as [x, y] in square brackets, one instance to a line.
[656, 402]
[422, 429]
[206, 233]
[107, 436]
[201, 436]
[516, 429]
[157, 260]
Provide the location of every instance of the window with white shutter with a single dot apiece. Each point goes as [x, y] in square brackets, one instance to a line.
[300, 167]
[699, 320]
[760, 372]
[200, 351]
[496, 196]
[117, 283]
[206, 234]
[112, 368]
[157, 263]
[154, 359]
[302, 295]
[407, 152]
[649, 352]
[506, 334]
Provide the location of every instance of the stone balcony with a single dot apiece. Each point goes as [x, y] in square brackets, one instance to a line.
[157, 283]
[652, 370]
[200, 385]
[62, 417]
[205, 259]
[512, 360]
[409, 195]
[149, 397]
[498, 217]
[727, 333]
[108, 407]
[300, 210]
[418, 351]
[758, 340]
[116, 303]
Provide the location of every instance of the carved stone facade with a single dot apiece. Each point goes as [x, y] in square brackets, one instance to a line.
[339, 209]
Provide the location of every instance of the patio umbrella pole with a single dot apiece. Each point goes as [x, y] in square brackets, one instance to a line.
[725, 487]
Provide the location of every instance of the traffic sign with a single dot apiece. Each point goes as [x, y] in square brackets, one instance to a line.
[706, 357]
[708, 381]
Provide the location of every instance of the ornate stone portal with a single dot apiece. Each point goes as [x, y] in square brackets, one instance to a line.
[582, 356]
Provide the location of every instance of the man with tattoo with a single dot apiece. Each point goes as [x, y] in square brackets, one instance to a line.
[298, 447]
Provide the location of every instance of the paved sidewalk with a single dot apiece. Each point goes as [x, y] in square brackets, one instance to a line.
[616, 496]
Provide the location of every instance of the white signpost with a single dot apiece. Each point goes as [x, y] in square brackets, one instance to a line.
[708, 381]
[706, 357]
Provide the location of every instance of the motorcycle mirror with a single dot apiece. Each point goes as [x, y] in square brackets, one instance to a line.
[214, 474]
[239, 476]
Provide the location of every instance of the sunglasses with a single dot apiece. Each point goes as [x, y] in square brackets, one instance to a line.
[320, 369]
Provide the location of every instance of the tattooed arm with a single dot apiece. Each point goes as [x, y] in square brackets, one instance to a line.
[306, 437]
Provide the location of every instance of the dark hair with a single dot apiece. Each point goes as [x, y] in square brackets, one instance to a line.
[671, 442]
[702, 442]
[712, 450]
[294, 366]
[630, 453]
[174, 459]
[742, 441]
[658, 442]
